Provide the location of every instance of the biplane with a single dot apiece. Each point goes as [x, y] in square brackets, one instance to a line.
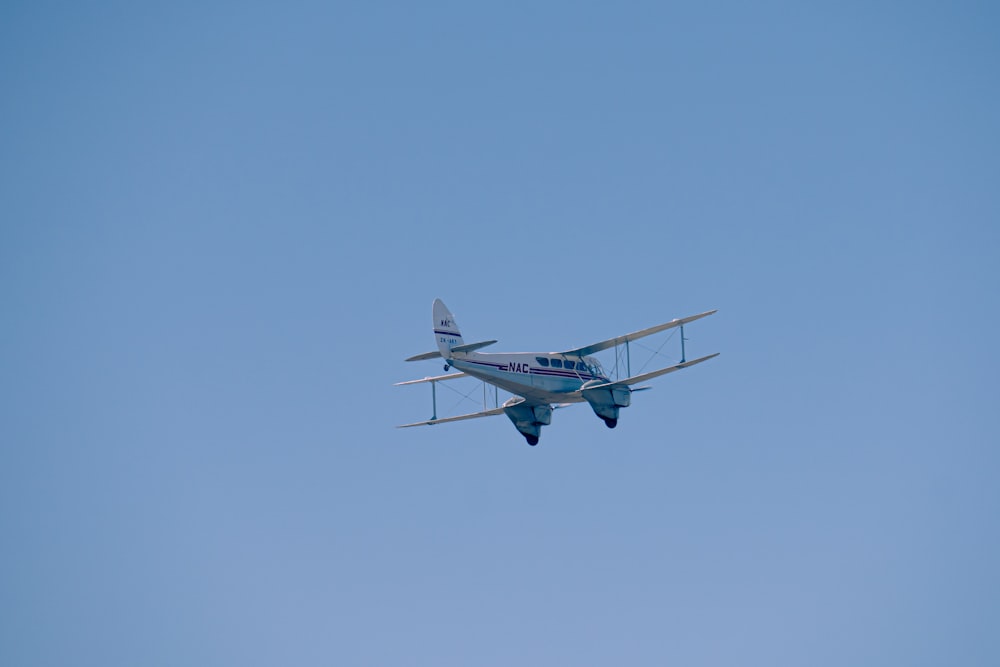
[541, 382]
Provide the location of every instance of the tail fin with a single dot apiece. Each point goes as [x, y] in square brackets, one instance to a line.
[446, 331]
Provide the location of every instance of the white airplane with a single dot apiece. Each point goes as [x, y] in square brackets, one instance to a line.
[541, 381]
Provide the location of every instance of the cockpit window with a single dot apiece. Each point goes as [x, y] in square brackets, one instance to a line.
[557, 363]
[569, 364]
[542, 361]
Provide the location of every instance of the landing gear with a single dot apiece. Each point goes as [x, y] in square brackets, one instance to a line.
[446, 367]
[532, 439]
[611, 423]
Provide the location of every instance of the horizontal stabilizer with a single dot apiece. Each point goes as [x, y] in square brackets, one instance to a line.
[469, 347]
[436, 378]
[445, 420]
[425, 355]
[635, 335]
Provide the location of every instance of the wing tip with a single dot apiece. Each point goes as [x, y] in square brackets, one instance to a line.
[692, 362]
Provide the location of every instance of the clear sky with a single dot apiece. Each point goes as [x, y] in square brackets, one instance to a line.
[222, 226]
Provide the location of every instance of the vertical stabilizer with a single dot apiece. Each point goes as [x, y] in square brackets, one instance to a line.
[446, 331]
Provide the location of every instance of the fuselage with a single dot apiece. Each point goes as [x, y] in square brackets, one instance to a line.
[537, 376]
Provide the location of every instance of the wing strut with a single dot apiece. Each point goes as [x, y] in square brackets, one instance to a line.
[683, 356]
[623, 348]
[618, 340]
[434, 380]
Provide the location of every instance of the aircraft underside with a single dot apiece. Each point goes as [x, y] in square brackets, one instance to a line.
[533, 406]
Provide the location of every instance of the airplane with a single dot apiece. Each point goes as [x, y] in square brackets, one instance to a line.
[541, 381]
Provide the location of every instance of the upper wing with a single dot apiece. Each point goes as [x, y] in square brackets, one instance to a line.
[445, 420]
[618, 340]
[636, 379]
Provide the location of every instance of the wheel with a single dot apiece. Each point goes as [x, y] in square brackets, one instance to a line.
[532, 439]
[611, 423]
[446, 367]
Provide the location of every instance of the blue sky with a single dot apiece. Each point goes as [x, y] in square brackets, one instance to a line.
[221, 230]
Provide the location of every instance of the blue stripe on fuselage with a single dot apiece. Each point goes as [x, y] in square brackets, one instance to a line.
[543, 384]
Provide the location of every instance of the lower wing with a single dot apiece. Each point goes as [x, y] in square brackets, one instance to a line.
[445, 420]
[636, 379]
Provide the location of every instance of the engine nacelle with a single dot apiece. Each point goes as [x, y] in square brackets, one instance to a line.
[606, 400]
[528, 419]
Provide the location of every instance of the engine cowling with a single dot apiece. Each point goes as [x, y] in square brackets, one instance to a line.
[528, 419]
[606, 400]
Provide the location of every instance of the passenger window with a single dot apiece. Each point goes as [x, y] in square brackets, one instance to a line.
[557, 363]
[542, 361]
[570, 365]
